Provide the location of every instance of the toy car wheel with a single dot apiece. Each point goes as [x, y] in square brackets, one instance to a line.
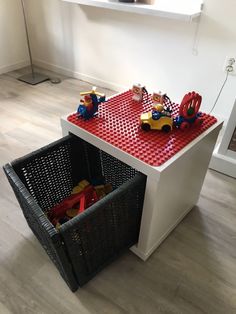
[145, 126]
[184, 125]
[166, 128]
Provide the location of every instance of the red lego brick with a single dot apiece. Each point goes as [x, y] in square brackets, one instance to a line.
[117, 123]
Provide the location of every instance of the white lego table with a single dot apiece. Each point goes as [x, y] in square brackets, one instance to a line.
[172, 189]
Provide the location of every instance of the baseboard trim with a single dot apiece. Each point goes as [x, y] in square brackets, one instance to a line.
[13, 67]
[223, 164]
[81, 76]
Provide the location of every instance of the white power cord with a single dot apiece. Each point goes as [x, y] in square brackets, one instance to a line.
[229, 68]
[220, 91]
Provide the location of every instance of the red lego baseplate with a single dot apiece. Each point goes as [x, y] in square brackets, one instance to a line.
[118, 123]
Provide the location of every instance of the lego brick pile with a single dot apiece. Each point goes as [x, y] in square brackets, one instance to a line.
[118, 123]
[82, 196]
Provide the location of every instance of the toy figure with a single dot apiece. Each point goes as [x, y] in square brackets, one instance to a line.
[138, 92]
[89, 105]
[162, 103]
[158, 111]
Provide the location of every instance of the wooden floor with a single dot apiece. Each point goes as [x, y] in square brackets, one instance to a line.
[193, 271]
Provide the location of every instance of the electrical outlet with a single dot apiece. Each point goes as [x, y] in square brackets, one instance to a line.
[229, 65]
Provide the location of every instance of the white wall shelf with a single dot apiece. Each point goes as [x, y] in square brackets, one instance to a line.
[185, 10]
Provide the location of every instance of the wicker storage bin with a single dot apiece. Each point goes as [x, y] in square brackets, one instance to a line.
[86, 243]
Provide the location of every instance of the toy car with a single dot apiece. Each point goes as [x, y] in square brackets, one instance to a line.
[157, 119]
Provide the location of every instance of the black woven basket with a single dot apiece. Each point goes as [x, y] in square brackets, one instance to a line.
[85, 244]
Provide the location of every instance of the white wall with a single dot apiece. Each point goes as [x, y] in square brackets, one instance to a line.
[13, 51]
[117, 48]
